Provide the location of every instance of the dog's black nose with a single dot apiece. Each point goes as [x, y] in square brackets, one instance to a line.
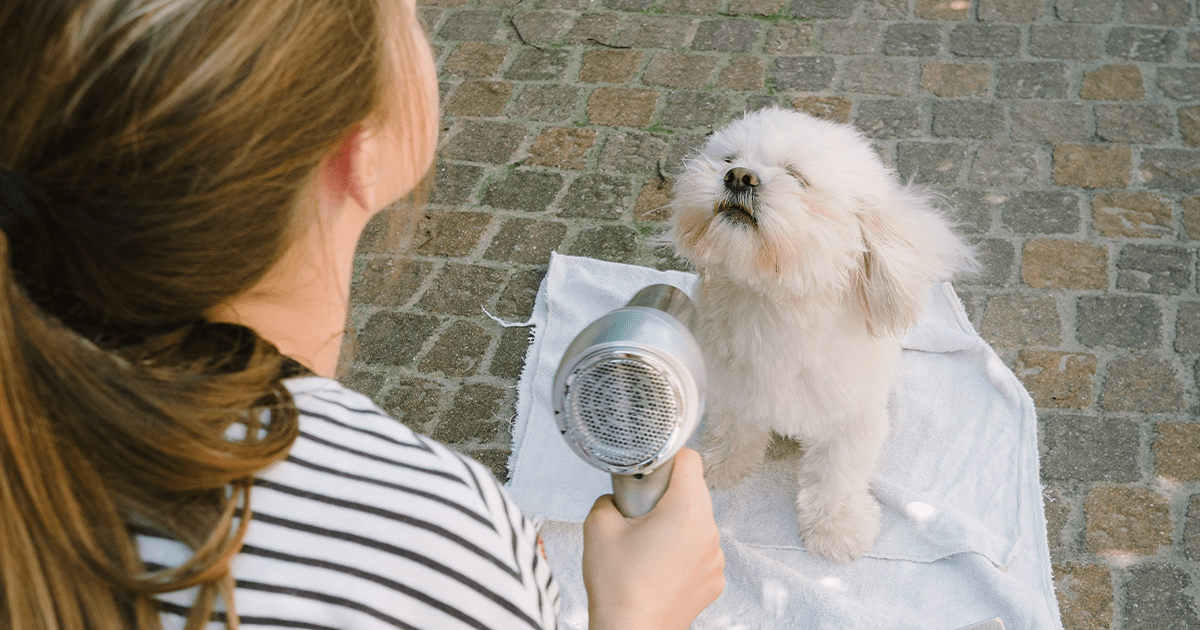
[740, 179]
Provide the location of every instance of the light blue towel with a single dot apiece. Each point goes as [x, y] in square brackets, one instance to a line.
[963, 534]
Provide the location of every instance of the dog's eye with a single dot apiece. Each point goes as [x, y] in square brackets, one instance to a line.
[729, 159]
[795, 173]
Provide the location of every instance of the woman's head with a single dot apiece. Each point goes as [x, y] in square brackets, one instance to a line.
[190, 127]
[175, 141]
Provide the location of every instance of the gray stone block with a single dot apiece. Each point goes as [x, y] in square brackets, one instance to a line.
[1157, 598]
[851, 38]
[985, 40]
[1039, 79]
[879, 75]
[1170, 169]
[596, 196]
[1091, 11]
[655, 32]
[628, 5]
[529, 191]
[1141, 44]
[890, 118]
[967, 119]
[913, 39]
[390, 338]
[807, 74]
[684, 108]
[524, 241]
[539, 65]
[453, 183]
[1065, 42]
[509, 359]
[996, 257]
[930, 162]
[482, 141]
[971, 209]
[462, 289]
[516, 300]
[824, 8]
[1144, 124]
[1118, 321]
[1161, 12]
[1086, 448]
[546, 102]
[1045, 121]
[471, 25]
[413, 401]
[1006, 166]
[1180, 84]
[473, 416]
[458, 351]
[1041, 212]
[618, 243]
[1165, 269]
[727, 35]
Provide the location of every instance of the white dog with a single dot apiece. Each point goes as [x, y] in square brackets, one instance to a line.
[814, 259]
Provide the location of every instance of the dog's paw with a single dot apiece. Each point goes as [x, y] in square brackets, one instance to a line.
[721, 472]
[846, 536]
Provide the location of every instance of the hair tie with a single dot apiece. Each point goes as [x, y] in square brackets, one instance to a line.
[24, 211]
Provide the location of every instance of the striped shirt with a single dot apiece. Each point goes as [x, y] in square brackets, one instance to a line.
[369, 525]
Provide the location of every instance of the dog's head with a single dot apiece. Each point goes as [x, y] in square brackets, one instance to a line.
[788, 203]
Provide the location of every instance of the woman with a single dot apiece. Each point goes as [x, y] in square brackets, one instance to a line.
[183, 184]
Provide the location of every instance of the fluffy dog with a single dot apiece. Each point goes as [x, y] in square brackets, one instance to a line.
[814, 259]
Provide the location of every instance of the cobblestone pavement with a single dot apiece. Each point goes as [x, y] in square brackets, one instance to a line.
[1064, 132]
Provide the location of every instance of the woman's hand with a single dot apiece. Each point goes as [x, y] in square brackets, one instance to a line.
[659, 570]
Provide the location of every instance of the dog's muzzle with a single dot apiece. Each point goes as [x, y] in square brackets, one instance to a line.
[737, 202]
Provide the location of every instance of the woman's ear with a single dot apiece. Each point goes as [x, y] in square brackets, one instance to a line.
[349, 171]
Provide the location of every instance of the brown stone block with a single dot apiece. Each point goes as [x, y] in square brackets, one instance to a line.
[745, 73]
[479, 98]
[609, 66]
[475, 59]
[1136, 215]
[833, 108]
[1113, 83]
[1177, 451]
[1092, 166]
[389, 281]
[652, 201]
[562, 147]
[1021, 320]
[1126, 520]
[450, 233]
[1058, 380]
[947, 79]
[593, 27]
[1085, 596]
[1055, 264]
[942, 9]
[1191, 216]
[1142, 384]
[621, 107]
[680, 70]
[696, 7]
[1189, 125]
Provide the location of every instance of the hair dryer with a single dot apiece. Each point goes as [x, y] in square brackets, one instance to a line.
[629, 393]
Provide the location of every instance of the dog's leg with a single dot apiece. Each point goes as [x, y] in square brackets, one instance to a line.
[731, 447]
[838, 517]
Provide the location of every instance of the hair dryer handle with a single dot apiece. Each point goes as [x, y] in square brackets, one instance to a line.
[634, 497]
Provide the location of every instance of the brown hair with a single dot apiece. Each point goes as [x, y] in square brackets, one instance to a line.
[185, 130]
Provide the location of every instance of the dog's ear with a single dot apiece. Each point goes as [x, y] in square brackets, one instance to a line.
[908, 246]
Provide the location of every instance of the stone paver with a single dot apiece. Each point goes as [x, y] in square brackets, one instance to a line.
[1064, 136]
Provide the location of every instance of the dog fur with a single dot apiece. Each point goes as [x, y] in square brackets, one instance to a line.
[814, 260]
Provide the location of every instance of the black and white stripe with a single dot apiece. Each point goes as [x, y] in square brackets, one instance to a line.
[369, 525]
